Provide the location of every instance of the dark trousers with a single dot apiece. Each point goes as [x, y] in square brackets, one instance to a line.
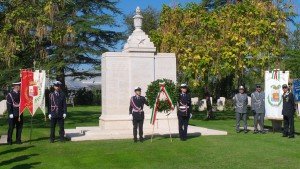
[259, 120]
[183, 122]
[12, 123]
[241, 117]
[60, 122]
[288, 125]
[138, 124]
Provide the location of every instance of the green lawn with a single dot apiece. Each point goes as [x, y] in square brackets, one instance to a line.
[232, 151]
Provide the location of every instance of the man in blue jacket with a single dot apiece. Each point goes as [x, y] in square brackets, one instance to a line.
[57, 111]
[288, 111]
[14, 119]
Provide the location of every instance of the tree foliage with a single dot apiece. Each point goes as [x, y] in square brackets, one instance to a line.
[232, 40]
[291, 57]
[62, 36]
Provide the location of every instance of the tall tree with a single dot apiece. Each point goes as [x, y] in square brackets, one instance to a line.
[65, 37]
[291, 59]
[232, 40]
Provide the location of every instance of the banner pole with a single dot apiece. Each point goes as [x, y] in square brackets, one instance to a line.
[30, 131]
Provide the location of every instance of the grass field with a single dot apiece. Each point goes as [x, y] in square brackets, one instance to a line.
[232, 151]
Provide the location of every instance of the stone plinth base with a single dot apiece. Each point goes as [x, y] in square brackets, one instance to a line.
[97, 133]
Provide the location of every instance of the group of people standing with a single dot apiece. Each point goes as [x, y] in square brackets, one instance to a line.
[57, 111]
[240, 99]
[258, 108]
[137, 103]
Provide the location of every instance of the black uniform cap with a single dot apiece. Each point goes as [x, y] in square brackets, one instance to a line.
[285, 86]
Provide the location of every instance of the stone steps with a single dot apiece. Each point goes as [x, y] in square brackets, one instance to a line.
[96, 133]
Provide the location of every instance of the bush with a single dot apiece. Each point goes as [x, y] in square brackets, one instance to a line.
[87, 97]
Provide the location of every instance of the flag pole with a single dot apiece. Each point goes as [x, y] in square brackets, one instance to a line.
[34, 62]
[19, 119]
[30, 130]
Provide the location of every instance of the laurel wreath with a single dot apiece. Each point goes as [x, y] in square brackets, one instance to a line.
[154, 88]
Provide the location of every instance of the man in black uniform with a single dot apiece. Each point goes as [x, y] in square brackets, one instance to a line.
[57, 111]
[137, 103]
[14, 120]
[184, 111]
[288, 111]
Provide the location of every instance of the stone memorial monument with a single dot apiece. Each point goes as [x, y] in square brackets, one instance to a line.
[137, 65]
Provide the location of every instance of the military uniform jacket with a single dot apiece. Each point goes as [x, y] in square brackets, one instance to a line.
[258, 102]
[288, 107]
[240, 103]
[184, 105]
[57, 104]
[13, 103]
[136, 107]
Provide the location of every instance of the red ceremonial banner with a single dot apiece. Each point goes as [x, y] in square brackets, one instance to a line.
[26, 95]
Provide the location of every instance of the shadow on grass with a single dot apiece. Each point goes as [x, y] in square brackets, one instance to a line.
[17, 159]
[37, 139]
[26, 166]
[219, 115]
[15, 150]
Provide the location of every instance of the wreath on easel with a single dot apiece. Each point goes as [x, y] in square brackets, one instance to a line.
[162, 96]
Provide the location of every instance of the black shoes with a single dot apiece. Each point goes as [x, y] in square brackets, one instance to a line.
[263, 132]
[292, 136]
[141, 139]
[255, 132]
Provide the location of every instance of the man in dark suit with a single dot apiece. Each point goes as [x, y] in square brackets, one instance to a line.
[14, 120]
[137, 103]
[288, 111]
[57, 111]
[184, 111]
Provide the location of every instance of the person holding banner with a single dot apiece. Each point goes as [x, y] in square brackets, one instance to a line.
[137, 103]
[288, 111]
[258, 109]
[184, 111]
[241, 101]
[14, 120]
[57, 111]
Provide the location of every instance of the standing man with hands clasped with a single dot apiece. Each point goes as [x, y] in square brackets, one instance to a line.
[184, 111]
[258, 109]
[14, 118]
[57, 111]
[136, 107]
[240, 102]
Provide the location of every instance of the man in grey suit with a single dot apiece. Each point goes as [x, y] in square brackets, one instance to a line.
[240, 102]
[258, 109]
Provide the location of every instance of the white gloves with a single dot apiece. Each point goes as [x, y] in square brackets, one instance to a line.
[64, 115]
[49, 116]
[11, 116]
